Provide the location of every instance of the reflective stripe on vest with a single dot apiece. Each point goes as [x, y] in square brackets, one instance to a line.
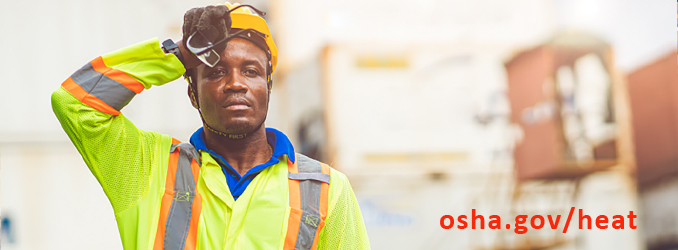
[181, 204]
[308, 188]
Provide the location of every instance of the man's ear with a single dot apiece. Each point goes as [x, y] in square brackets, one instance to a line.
[194, 99]
[270, 86]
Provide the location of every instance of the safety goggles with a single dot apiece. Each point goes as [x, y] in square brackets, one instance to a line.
[203, 48]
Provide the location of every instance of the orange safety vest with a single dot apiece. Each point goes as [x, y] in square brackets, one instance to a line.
[181, 205]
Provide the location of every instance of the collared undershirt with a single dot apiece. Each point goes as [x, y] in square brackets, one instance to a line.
[236, 183]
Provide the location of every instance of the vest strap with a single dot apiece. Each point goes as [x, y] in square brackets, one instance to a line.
[181, 204]
[309, 185]
[310, 176]
[180, 209]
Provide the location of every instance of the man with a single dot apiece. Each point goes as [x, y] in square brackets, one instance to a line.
[237, 185]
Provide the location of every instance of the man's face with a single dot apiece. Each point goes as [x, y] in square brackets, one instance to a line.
[233, 96]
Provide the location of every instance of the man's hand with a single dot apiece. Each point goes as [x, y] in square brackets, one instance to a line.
[213, 22]
[190, 60]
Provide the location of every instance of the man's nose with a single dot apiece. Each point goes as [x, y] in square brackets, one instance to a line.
[236, 82]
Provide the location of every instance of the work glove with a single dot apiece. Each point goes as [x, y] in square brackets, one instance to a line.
[214, 22]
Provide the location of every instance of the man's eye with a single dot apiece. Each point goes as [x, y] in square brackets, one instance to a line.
[251, 72]
[217, 73]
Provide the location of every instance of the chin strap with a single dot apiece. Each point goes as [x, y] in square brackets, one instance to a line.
[227, 135]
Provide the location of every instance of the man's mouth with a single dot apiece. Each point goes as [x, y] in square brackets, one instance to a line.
[237, 107]
[236, 104]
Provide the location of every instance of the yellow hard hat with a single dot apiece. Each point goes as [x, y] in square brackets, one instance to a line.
[246, 18]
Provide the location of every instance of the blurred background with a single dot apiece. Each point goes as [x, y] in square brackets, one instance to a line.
[431, 107]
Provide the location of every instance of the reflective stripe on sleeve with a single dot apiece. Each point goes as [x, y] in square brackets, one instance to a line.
[121, 77]
[89, 100]
[102, 88]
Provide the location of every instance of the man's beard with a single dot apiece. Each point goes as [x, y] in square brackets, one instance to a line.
[241, 127]
[238, 128]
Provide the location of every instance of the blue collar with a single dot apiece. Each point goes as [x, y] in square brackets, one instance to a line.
[279, 141]
[236, 183]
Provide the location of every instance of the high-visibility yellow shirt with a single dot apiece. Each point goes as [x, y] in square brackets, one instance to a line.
[131, 164]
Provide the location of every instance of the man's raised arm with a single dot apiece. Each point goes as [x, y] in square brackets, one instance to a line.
[88, 107]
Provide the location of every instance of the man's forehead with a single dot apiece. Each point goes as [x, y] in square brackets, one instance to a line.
[244, 48]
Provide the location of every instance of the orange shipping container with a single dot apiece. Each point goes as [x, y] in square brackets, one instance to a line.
[653, 92]
[560, 96]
